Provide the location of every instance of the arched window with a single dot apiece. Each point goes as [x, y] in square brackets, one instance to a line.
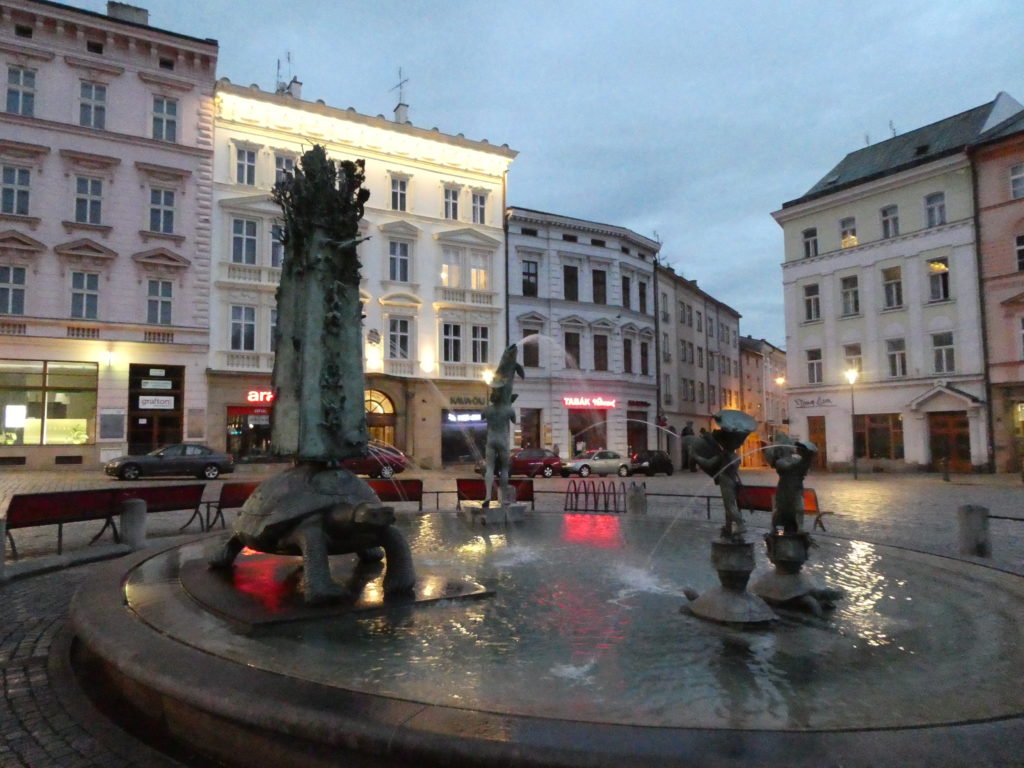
[380, 416]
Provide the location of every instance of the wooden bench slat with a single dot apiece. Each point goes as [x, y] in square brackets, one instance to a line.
[407, 489]
[475, 489]
[759, 498]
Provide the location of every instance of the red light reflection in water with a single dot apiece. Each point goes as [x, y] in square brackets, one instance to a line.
[268, 579]
[595, 530]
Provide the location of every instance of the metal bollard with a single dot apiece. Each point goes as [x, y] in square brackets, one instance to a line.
[973, 530]
[132, 513]
[636, 499]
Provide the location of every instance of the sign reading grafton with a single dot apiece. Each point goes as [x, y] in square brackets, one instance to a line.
[586, 401]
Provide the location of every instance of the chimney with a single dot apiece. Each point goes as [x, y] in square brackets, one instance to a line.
[295, 88]
[402, 113]
[126, 12]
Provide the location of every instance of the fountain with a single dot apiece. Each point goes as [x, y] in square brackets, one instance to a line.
[578, 656]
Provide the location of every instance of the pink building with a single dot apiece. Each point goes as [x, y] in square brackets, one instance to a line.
[106, 151]
[999, 170]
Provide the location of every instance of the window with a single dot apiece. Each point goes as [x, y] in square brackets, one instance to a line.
[814, 371]
[276, 245]
[711, 322]
[284, 166]
[641, 290]
[890, 221]
[14, 190]
[531, 348]
[21, 91]
[852, 357]
[51, 403]
[92, 105]
[273, 330]
[600, 352]
[645, 364]
[700, 321]
[570, 282]
[935, 209]
[451, 343]
[851, 295]
[712, 395]
[690, 347]
[531, 278]
[689, 315]
[627, 292]
[481, 334]
[1017, 181]
[938, 280]
[896, 351]
[243, 241]
[627, 355]
[848, 232]
[165, 118]
[399, 193]
[597, 242]
[570, 238]
[12, 290]
[571, 341]
[878, 435]
[892, 283]
[161, 211]
[479, 208]
[88, 200]
[451, 203]
[700, 391]
[528, 231]
[1020, 249]
[245, 166]
[810, 241]
[942, 351]
[243, 327]
[398, 261]
[812, 304]
[479, 272]
[85, 295]
[451, 268]
[600, 286]
[398, 338]
[700, 357]
[158, 304]
[711, 361]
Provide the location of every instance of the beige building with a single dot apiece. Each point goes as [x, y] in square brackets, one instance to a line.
[881, 278]
[763, 394]
[433, 269]
[106, 153]
[698, 357]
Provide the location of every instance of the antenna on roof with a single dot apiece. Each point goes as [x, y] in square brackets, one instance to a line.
[867, 140]
[281, 85]
[401, 109]
[892, 128]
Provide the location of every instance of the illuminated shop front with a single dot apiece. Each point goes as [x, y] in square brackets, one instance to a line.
[47, 402]
[463, 435]
[588, 421]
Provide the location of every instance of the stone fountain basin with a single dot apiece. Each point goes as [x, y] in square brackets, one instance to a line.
[580, 658]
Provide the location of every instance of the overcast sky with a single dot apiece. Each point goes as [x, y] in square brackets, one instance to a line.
[692, 120]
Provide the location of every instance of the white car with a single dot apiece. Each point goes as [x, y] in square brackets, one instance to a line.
[597, 462]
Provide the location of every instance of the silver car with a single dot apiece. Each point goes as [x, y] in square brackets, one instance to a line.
[597, 462]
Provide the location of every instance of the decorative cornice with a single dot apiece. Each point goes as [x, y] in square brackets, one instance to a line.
[163, 172]
[14, 242]
[467, 236]
[21, 149]
[28, 51]
[94, 67]
[400, 299]
[85, 248]
[166, 81]
[161, 257]
[89, 160]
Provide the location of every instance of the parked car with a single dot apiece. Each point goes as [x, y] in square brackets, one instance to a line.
[382, 460]
[598, 462]
[530, 462]
[650, 463]
[178, 459]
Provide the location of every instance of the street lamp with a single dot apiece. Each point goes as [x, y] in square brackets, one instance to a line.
[851, 376]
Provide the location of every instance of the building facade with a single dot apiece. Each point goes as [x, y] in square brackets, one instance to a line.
[881, 278]
[106, 150]
[763, 394]
[999, 168]
[698, 352]
[581, 305]
[433, 270]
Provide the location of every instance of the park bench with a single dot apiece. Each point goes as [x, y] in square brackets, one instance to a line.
[759, 498]
[398, 490]
[475, 489]
[27, 510]
[232, 496]
[167, 498]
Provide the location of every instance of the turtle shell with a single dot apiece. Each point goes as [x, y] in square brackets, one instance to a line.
[282, 501]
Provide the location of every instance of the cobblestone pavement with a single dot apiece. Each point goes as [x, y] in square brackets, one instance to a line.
[46, 721]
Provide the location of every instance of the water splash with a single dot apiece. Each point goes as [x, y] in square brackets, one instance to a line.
[575, 673]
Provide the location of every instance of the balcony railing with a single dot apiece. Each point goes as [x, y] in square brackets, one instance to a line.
[468, 296]
[400, 367]
[250, 274]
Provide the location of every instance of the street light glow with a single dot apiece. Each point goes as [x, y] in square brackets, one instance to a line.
[851, 376]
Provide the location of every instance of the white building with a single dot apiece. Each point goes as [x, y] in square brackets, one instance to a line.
[581, 306]
[433, 269]
[699, 358]
[881, 277]
[106, 154]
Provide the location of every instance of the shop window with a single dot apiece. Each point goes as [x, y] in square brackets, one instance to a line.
[47, 403]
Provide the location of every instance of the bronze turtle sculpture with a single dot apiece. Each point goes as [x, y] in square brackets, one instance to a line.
[316, 512]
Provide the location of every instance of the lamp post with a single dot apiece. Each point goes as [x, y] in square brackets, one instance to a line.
[851, 376]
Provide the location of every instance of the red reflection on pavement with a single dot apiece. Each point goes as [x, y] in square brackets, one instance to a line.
[595, 530]
[268, 579]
